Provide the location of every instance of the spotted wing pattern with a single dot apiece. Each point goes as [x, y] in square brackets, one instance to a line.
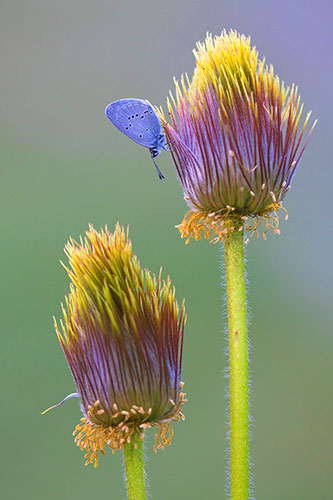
[137, 119]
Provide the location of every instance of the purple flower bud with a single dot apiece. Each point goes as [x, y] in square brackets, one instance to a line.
[122, 335]
[235, 138]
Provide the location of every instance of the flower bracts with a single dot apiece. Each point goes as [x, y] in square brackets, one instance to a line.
[122, 336]
[235, 138]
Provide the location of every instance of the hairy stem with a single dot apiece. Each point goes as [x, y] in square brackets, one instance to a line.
[134, 469]
[238, 365]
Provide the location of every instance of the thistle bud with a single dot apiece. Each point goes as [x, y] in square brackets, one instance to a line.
[235, 139]
[122, 335]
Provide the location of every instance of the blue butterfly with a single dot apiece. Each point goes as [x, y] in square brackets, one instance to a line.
[137, 119]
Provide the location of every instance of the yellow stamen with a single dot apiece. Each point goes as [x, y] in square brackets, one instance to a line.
[219, 224]
[92, 436]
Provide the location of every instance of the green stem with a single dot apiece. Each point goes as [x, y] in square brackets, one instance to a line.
[238, 365]
[134, 469]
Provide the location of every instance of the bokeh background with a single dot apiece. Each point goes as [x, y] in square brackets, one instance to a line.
[63, 165]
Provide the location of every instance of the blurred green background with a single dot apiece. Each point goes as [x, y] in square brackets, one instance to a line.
[63, 165]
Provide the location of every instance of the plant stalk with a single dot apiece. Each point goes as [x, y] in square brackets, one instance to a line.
[238, 365]
[134, 469]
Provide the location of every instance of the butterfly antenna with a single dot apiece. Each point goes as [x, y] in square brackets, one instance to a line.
[161, 176]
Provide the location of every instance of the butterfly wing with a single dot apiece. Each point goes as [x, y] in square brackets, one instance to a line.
[137, 119]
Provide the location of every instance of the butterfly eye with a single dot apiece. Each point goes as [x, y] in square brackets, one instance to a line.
[147, 129]
[140, 135]
[137, 114]
[142, 116]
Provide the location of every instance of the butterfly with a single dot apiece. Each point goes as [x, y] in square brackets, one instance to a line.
[137, 119]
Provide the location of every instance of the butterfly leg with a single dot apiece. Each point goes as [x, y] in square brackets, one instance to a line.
[167, 146]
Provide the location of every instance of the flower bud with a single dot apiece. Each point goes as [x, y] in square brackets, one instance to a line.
[235, 138]
[122, 335]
